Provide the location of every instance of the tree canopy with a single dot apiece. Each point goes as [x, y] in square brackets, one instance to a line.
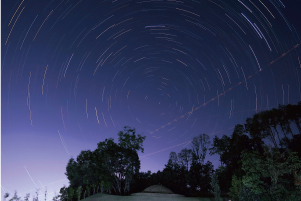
[249, 170]
[111, 166]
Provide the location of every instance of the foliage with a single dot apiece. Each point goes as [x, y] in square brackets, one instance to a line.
[175, 179]
[240, 192]
[266, 124]
[245, 194]
[129, 140]
[111, 166]
[121, 163]
[250, 170]
[229, 149]
[88, 190]
[6, 195]
[74, 172]
[199, 178]
[216, 190]
[185, 157]
[270, 125]
[272, 173]
[236, 187]
[199, 148]
[185, 172]
[26, 198]
[64, 193]
[293, 144]
[78, 192]
[56, 198]
[173, 162]
[71, 193]
[220, 146]
[15, 197]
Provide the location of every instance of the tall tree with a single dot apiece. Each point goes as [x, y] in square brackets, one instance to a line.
[220, 146]
[88, 168]
[216, 189]
[111, 165]
[74, 173]
[200, 145]
[199, 177]
[121, 160]
[229, 149]
[206, 174]
[173, 161]
[185, 157]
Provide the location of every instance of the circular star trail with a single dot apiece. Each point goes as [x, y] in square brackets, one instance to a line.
[77, 72]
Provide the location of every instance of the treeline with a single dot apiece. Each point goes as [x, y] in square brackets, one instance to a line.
[185, 173]
[249, 170]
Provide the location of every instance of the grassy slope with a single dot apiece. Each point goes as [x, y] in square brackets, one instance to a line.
[101, 196]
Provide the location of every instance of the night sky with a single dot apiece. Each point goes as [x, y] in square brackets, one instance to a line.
[74, 73]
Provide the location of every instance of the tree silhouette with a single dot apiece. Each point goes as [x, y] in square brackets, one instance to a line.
[111, 166]
[200, 145]
[185, 157]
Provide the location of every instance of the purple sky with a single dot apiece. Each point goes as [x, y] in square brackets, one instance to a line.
[74, 73]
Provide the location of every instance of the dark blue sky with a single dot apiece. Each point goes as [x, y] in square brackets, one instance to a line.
[74, 73]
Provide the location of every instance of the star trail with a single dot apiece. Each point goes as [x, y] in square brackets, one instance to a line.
[75, 72]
